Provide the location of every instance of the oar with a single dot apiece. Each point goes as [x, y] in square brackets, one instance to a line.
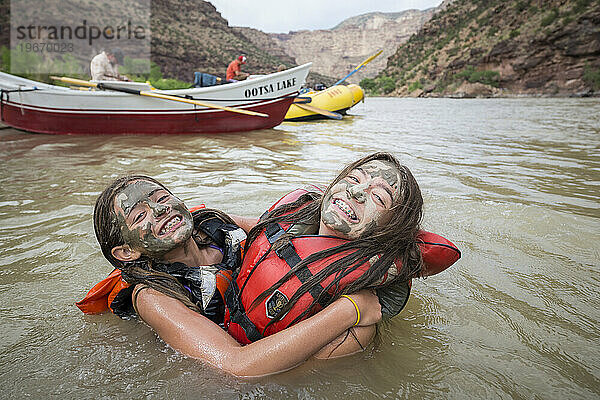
[302, 100]
[108, 86]
[327, 113]
[359, 67]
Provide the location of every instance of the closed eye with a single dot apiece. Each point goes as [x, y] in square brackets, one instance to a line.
[139, 217]
[163, 198]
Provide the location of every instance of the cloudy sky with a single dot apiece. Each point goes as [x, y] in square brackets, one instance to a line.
[281, 16]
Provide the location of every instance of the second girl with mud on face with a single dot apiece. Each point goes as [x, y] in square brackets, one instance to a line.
[315, 247]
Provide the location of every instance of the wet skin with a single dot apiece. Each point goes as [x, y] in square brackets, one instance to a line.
[361, 200]
[152, 220]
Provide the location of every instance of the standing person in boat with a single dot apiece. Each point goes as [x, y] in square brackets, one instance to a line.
[105, 66]
[234, 70]
[176, 265]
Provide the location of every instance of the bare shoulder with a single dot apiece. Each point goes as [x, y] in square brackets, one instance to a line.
[145, 298]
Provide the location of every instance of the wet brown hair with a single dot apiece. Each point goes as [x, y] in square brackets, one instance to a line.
[396, 240]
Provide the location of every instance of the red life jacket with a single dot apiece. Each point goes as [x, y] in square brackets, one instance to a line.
[258, 274]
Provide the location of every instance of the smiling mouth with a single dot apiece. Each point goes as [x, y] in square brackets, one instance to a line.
[170, 225]
[345, 208]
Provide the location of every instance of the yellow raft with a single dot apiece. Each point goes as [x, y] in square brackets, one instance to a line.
[337, 98]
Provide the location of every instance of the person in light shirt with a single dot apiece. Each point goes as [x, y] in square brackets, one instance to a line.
[105, 66]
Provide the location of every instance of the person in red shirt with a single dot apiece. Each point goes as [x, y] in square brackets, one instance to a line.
[234, 70]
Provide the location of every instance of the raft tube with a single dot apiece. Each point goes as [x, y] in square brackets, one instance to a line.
[338, 98]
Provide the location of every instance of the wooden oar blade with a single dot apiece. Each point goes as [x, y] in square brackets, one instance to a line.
[302, 100]
[317, 110]
[73, 81]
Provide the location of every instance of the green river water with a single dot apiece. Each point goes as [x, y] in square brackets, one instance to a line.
[515, 183]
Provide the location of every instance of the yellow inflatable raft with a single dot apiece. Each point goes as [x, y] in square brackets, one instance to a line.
[337, 98]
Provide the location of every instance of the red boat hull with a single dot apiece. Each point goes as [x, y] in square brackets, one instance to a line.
[94, 122]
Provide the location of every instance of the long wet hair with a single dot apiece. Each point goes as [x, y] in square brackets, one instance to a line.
[396, 240]
[143, 270]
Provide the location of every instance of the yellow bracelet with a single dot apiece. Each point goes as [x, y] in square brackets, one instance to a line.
[355, 306]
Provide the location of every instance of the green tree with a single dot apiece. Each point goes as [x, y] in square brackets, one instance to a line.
[5, 57]
[386, 84]
[550, 17]
[368, 84]
[592, 77]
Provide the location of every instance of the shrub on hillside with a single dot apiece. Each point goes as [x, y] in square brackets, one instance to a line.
[382, 84]
[486, 77]
[154, 75]
[580, 6]
[414, 86]
[550, 17]
[386, 84]
[592, 77]
[368, 84]
[168, 84]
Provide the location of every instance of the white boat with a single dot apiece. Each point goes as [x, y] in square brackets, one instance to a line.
[42, 108]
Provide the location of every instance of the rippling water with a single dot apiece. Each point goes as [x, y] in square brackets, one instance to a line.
[513, 182]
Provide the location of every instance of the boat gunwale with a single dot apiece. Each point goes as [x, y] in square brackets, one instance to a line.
[62, 90]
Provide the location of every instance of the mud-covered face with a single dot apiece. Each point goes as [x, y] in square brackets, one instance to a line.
[151, 219]
[361, 201]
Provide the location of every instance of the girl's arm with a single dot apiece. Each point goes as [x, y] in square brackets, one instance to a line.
[350, 342]
[198, 337]
[246, 223]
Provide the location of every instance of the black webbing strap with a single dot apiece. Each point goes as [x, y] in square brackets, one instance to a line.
[288, 253]
[273, 232]
[237, 313]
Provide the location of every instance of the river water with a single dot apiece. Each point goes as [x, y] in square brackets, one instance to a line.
[514, 183]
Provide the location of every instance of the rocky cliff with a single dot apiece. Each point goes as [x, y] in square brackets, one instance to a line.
[337, 51]
[497, 47]
[266, 42]
[192, 36]
[461, 48]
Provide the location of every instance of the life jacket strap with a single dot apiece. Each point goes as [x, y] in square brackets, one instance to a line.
[238, 315]
[289, 254]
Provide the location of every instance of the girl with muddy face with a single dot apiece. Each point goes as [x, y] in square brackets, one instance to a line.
[138, 223]
[152, 221]
[375, 203]
[361, 201]
[138, 217]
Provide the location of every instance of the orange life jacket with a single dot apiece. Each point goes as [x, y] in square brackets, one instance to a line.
[260, 272]
[99, 298]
